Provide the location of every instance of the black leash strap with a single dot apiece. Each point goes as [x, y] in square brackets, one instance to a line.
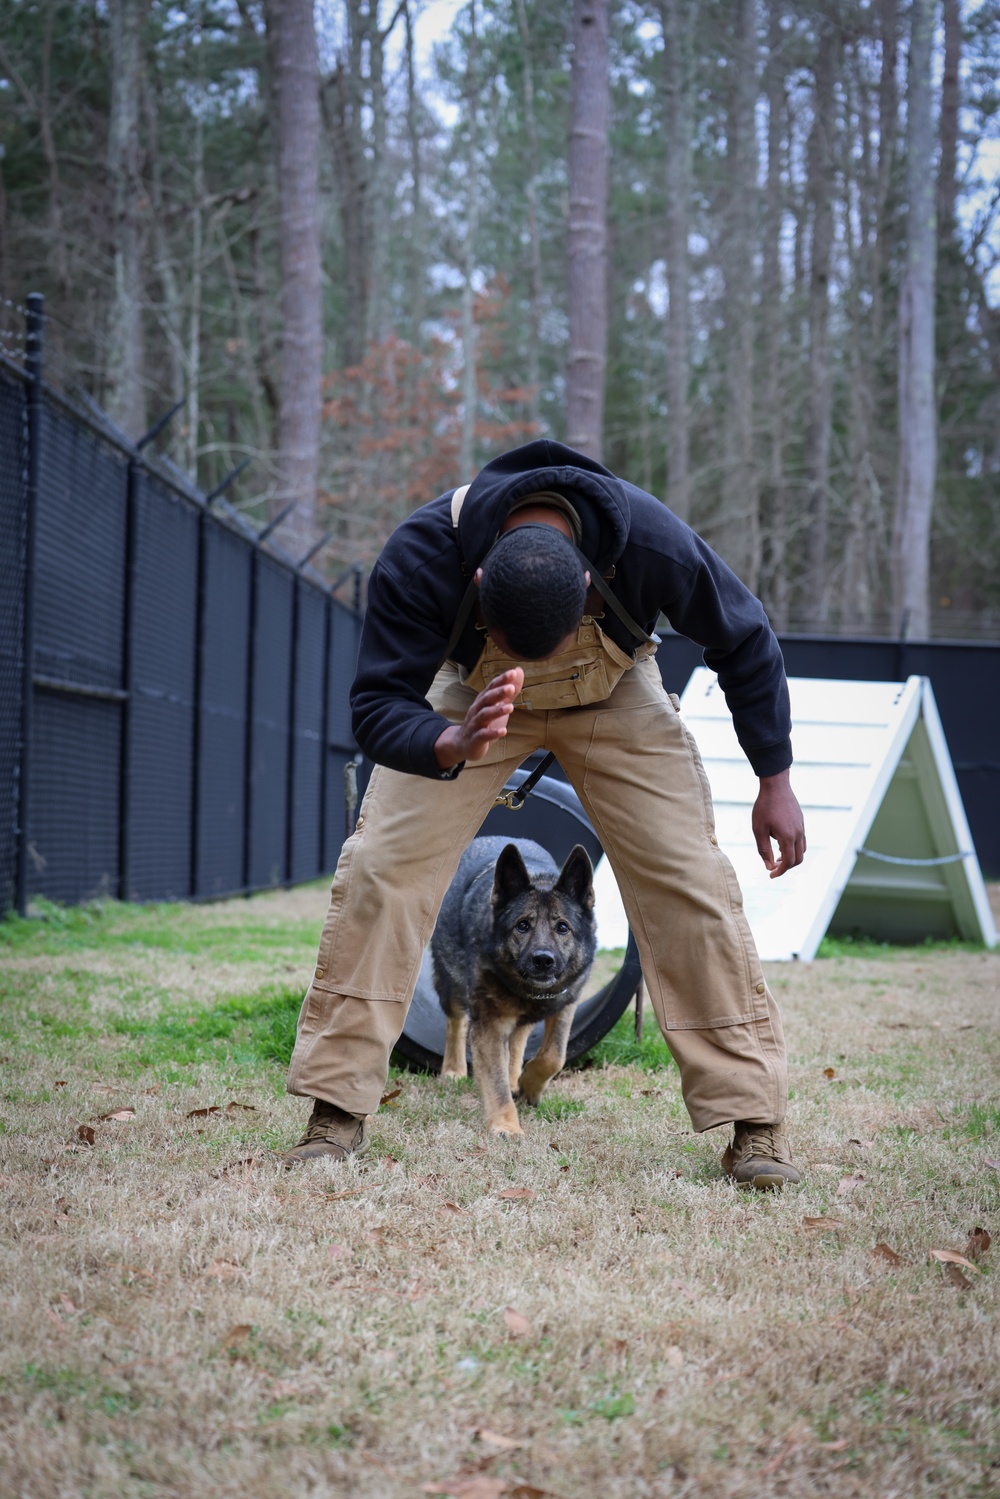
[515, 797]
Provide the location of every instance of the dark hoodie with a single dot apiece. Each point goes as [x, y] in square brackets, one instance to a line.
[659, 566]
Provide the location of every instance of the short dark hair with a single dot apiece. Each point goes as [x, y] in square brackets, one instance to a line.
[533, 590]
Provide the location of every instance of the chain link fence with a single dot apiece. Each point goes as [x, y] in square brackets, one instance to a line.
[174, 721]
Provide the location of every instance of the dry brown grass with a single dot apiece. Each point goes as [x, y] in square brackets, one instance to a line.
[173, 1327]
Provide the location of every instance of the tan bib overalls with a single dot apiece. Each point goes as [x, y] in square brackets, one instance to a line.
[637, 771]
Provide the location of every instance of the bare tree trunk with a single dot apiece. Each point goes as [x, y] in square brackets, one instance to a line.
[170, 313]
[676, 16]
[917, 415]
[470, 393]
[774, 500]
[354, 183]
[822, 183]
[739, 529]
[299, 250]
[126, 394]
[588, 210]
[193, 417]
[947, 195]
[415, 242]
[534, 243]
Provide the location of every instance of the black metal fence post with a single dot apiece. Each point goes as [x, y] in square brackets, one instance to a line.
[128, 683]
[248, 807]
[33, 365]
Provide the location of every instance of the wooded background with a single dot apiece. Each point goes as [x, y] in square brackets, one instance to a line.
[745, 251]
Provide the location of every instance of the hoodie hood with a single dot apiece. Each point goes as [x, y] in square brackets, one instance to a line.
[596, 493]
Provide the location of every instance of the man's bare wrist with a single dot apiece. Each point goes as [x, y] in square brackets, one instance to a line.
[447, 748]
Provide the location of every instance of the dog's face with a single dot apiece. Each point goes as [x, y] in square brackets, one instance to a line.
[543, 929]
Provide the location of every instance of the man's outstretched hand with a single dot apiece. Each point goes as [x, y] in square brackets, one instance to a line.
[777, 815]
[485, 721]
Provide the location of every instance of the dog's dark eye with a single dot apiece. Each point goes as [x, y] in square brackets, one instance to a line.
[524, 925]
[562, 927]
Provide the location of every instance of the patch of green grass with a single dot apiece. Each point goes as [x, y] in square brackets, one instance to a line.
[857, 945]
[243, 1030]
[619, 1048]
[979, 1122]
[194, 930]
[552, 1107]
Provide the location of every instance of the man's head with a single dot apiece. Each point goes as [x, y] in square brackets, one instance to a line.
[532, 590]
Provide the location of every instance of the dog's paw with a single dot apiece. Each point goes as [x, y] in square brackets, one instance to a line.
[506, 1128]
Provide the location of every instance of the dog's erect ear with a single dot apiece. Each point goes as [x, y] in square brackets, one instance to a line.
[576, 878]
[510, 878]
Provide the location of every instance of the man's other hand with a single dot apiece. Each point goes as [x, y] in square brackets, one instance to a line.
[485, 721]
[777, 815]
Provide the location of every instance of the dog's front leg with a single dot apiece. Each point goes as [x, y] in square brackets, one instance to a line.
[489, 1038]
[550, 1056]
[518, 1042]
[456, 1029]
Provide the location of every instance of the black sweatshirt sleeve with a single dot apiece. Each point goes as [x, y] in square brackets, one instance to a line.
[718, 612]
[401, 650]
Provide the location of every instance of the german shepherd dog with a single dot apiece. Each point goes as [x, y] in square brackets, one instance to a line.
[513, 946]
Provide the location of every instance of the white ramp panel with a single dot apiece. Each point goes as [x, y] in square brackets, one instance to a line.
[851, 766]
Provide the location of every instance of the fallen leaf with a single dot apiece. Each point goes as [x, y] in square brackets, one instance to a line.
[85, 1132]
[954, 1277]
[495, 1439]
[841, 1445]
[861, 1144]
[152, 1092]
[120, 1114]
[203, 1113]
[952, 1257]
[566, 1168]
[979, 1243]
[528, 1491]
[450, 1207]
[850, 1184]
[67, 1305]
[516, 1324]
[479, 1486]
[684, 1290]
[223, 1270]
[822, 1225]
[248, 1108]
[138, 1270]
[792, 1442]
[616, 1345]
[829, 1072]
[55, 1318]
[376, 1236]
[339, 1196]
[554, 1145]
[387, 1098]
[388, 1161]
[338, 1251]
[993, 1164]
[236, 1336]
[674, 1356]
[247, 1160]
[518, 1194]
[883, 1252]
[60, 1083]
[283, 1389]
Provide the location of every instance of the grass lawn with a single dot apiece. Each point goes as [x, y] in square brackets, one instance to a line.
[593, 1311]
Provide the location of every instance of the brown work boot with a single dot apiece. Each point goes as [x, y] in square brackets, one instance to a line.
[330, 1132]
[759, 1157]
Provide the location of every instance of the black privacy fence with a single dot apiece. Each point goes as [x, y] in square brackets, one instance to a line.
[174, 721]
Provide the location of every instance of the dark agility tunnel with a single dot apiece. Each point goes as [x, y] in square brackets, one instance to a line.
[552, 816]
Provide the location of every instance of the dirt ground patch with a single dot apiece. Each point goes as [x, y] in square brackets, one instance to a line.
[182, 1317]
